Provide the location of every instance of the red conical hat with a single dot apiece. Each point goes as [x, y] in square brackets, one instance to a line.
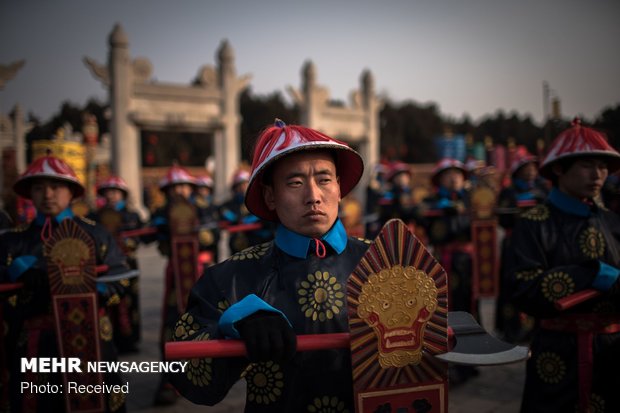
[579, 141]
[113, 182]
[522, 157]
[176, 175]
[444, 164]
[49, 167]
[397, 168]
[280, 140]
[204, 181]
[240, 176]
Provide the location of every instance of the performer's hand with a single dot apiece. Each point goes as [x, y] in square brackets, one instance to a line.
[34, 279]
[267, 336]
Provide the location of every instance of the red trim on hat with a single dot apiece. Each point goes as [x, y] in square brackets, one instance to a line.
[49, 167]
[579, 140]
[349, 164]
[269, 138]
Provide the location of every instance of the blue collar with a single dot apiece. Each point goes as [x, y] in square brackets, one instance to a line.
[568, 204]
[444, 192]
[67, 213]
[120, 205]
[522, 185]
[297, 245]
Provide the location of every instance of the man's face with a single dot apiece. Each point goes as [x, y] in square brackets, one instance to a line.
[305, 192]
[50, 196]
[113, 196]
[583, 179]
[528, 172]
[452, 179]
[204, 191]
[402, 180]
[241, 187]
[182, 190]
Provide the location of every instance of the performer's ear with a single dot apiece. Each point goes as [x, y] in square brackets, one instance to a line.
[269, 197]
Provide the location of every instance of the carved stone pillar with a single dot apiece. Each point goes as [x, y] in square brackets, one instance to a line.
[126, 152]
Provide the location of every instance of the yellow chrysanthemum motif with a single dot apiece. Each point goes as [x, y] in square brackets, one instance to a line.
[251, 253]
[550, 367]
[597, 404]
[223, 305]
[528, 275]
[557, 285]
[199, 371]
[364, 240]
[105, 328]
[327, 404]
[321, 296]
[537, 213]
[265, 382]
[185, 327]
[592, 243]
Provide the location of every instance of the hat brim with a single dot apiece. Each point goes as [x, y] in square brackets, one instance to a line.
[101, 189]
[612, 159]
[22, 186]
[163, 187]
[349, 166]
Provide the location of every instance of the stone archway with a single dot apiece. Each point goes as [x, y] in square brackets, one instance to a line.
[139, 104]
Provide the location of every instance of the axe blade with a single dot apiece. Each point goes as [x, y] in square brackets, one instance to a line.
[474, 346]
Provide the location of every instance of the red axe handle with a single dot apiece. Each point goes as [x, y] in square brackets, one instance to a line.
[137, 232]
[236, 348]
[16, 286]
[242, 227]
[10, 287]
[577, 298]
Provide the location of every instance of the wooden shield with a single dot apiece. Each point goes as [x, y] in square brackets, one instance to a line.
[111, 219]
[485, 260]
[71, 269]
[398, 305]
[184, 249]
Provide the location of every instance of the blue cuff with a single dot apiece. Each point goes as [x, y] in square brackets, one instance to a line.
[228, 215]
[444, 203]
[158, 221]
[250, 219]
[242, 309]
[20, 265]
[606, 277]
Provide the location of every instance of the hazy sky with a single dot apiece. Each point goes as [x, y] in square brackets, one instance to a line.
[467, 56]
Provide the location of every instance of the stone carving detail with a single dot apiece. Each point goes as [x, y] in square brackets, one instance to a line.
[142, 70]
[99, 71]
[207, 77]
[7, 72]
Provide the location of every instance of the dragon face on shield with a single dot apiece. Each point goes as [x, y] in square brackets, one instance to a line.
[397, 304]
[71, 256]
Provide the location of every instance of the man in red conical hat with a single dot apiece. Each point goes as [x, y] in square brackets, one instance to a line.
[234, 212]
[209, 216]
[295, 284]
[444, 215]
[565, 245]
[178, 185]
[118, 216]
[526, 190]
[51, 184]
